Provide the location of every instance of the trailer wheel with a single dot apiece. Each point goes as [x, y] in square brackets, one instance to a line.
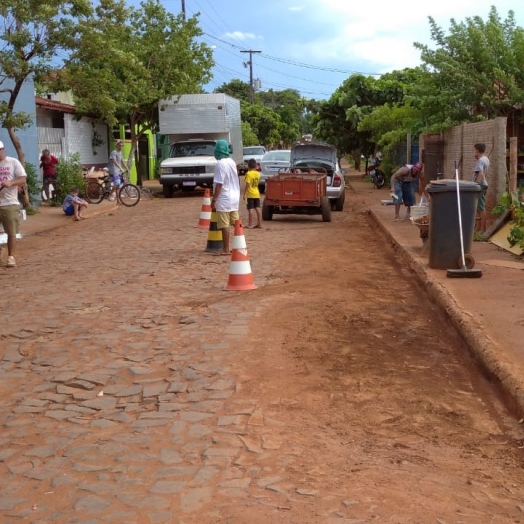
[167, 189]
[326, 209]
[339, 202]
[267, 211]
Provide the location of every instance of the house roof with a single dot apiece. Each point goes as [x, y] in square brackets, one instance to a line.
[54, 105]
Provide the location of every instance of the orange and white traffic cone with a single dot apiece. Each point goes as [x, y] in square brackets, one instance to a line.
[205, 213]
[240, 276]
[214, 236]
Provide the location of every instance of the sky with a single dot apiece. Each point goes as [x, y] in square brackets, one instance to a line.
[314, 45]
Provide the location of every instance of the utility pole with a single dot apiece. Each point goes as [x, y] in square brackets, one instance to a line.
[251, 86]
[184, 8]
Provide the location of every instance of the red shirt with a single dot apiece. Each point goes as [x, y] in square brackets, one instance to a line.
[49, 165]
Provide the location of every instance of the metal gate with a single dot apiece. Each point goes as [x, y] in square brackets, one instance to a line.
[52, 139]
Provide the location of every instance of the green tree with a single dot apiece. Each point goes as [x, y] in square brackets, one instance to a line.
[264, 122]
[249, 138]
[128, 60]
[389, 123]
[475, 72]
[338, 120]
[280, 117]
[236, 88]
[33, 34]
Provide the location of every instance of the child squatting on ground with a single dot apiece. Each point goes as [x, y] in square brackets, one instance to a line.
[73, 205]
[252, 194]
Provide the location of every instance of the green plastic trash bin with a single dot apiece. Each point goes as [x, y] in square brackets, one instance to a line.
[444, 230]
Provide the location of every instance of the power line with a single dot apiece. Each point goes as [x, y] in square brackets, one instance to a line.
[287, 75]
[227, 70]
[214, 21]
[297, 64]
[297, 77]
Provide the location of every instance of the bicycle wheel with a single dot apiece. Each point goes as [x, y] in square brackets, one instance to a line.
[129, 195]
[94, 193]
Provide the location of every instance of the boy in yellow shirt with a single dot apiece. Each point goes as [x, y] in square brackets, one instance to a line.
[252, 194]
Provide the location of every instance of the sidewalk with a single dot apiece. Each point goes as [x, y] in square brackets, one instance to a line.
[487, 312]
[48, 217]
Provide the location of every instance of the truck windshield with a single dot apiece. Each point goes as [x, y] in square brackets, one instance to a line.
[192, 149]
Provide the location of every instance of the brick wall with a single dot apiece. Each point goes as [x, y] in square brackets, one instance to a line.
[458, 146]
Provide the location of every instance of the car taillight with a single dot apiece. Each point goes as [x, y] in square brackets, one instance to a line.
[337, 181]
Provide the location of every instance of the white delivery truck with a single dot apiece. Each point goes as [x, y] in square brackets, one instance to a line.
[192, 124]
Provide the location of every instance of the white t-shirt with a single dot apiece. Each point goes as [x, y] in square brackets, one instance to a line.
[119, 158]
[10, 169]
[481, 167]
[226, 174]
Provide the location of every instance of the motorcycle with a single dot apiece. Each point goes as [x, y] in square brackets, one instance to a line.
[375, 173]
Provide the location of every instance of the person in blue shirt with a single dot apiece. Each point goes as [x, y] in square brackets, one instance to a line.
[73, 205]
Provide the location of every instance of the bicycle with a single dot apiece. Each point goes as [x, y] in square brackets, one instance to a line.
[127, 194]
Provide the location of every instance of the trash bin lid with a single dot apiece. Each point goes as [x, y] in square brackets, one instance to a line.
[450, 185]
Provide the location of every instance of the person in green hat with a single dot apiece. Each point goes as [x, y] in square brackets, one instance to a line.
[226, 192]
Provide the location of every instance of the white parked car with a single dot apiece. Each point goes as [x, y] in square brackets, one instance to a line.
[320, 154]
[271, 163]
[256, 152]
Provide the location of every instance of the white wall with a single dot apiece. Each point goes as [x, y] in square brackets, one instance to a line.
[79, 136]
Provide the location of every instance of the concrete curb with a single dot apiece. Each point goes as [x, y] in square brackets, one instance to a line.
[490, 355]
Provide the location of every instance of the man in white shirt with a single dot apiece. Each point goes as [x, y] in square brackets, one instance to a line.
[480, 174]
[12, 176]
[226, 193]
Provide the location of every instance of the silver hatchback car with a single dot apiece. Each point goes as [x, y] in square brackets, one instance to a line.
[320, 154]
[271, 163]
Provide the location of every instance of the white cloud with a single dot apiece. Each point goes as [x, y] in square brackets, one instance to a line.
[239, 35]
[371, 37]
[377, 32]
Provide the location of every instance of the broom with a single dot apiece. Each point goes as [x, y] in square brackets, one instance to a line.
[463, 272]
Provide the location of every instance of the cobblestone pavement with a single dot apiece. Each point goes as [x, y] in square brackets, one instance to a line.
[117, 396]
[133, 389]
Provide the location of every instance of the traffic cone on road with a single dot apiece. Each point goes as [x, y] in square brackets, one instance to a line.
[240, 276]
[205, 213]
[214, 236]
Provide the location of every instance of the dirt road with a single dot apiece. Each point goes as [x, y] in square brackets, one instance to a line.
[133, 389]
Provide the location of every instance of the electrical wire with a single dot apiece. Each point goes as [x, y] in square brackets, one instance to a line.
[215, 21]
[287, 75]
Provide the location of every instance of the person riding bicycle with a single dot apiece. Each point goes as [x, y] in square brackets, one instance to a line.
[116, 167]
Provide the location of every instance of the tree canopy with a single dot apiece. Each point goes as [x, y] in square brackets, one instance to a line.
[127, 60]
[33, 34]
[474, 73]
[275, 117]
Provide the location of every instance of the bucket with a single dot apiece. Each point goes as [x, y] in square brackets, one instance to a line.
[419, 210]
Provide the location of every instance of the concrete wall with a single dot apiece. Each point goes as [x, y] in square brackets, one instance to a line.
[458, 146]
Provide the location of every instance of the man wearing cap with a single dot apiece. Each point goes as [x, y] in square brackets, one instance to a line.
[403, 188]
[226, 192]
[12, 176]
[116, 166]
